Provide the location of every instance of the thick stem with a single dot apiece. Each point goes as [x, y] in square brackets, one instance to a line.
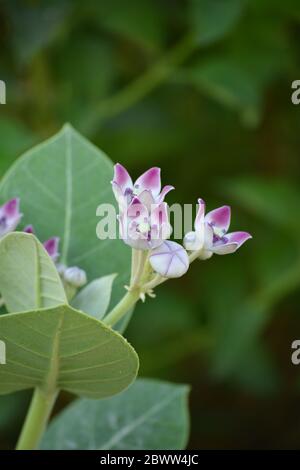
[36, 420]
[125, 304]
[139, 268]
[134, 262]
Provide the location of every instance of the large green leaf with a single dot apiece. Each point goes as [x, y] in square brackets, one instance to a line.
[212, 19]
[29, 279]
[62, 348]
[150, 415]
[60, 183]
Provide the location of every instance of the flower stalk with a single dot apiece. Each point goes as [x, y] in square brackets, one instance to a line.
[125, 304]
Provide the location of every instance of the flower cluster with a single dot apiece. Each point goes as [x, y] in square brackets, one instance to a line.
[10, 217]
[145, 226]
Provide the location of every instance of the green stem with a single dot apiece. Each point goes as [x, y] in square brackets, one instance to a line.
[36, 420]
[125, 304]
[140, 266]
[134, 262]
[142, 86]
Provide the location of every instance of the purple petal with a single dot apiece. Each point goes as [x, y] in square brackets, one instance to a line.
[9, 216]
[225, 249]
[51, 246]
[200, 215]
[169, 260]
[164, 192]
[11, 208]
[29, 229]
[219, 218]
[149, 180]
[160, 214]
[231, 243]
[238, 237]
[122, 177]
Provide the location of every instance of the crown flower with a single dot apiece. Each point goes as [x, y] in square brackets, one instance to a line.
[210, 235]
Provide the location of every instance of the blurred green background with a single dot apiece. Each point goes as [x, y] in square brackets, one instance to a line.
[201, 88]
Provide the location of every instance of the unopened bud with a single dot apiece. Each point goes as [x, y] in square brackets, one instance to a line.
[75, 276]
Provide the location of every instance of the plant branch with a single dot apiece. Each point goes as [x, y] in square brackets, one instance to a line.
[140, 87]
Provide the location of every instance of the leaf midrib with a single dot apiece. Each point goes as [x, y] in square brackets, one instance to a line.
[53, 373]
[138, 422]
[69, 196]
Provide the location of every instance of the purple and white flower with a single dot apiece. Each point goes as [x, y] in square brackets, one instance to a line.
[170, 260]
[10, 216]
[210, 235]
[147, 187]
[51, 245]
[144, 226]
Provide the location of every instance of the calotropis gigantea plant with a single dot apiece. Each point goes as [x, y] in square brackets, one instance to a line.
[64, 302]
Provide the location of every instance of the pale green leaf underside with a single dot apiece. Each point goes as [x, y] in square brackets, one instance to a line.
[65, 349]
[94, 299]
[29, 279]
[60, 184]
[150, 415]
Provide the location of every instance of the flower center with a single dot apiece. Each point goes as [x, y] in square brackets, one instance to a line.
[136, 190]
[219, 232]
[144, 227]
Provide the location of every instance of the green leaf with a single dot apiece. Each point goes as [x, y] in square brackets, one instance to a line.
[29, 279]
[150, 415]
[274, 201]
[60, 183]
[34, 25]
[143, 22]
[95, 297]
[211, 20]
[61, 348]
[228, 83]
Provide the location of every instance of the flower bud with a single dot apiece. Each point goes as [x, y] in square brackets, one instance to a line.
[170, 260]
[75, 276]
